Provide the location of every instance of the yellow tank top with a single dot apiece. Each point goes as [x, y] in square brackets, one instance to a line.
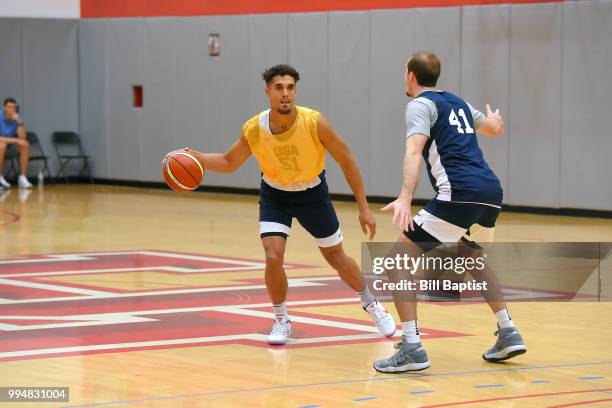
[293, 157]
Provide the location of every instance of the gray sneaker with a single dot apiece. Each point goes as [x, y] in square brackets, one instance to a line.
[409, 357]
[509, 344]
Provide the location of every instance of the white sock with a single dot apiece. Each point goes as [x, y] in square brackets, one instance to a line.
[411, 331]
[366, 296]
[503, 318]
[281, 310]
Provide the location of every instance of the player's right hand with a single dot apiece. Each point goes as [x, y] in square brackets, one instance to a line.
[368, 224]
[402, 213]
[198, 155]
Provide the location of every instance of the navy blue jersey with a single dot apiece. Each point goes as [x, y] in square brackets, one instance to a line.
[455, 164]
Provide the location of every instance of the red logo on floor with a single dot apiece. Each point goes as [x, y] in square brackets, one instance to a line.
[68, 304]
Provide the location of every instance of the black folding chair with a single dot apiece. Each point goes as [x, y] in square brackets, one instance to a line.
[10, 157]
[40, 156]
[68, 147]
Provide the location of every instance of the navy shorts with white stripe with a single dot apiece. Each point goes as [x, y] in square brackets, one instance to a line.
[311, 207]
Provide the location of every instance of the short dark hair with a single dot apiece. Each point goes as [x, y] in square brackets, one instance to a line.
[10, 100]
[280, 69]
[426, 67]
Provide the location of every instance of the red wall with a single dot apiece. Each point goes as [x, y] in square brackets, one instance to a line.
[141, 8]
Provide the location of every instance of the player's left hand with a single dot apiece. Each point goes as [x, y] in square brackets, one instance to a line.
[368, 223]
[402, 213]
[198, 155]
[496, 116]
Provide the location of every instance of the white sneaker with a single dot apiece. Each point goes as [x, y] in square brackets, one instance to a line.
[385, 323]
[4, 183]
[23, 182]
[280, 331]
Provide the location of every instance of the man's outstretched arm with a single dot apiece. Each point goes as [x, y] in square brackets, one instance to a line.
[227, 162]
[402, 213]
[337, 147]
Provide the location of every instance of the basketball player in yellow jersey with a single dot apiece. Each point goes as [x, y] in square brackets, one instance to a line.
[290, 142]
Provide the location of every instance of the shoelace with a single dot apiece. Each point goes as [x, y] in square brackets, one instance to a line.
[499, 339]
[380, 313]
[279, 327]
[398, 357]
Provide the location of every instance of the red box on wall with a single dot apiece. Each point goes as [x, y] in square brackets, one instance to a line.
[137, 96]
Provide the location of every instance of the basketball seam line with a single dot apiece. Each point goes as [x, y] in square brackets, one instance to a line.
[192, 158]
[187, 171]
[173, 178]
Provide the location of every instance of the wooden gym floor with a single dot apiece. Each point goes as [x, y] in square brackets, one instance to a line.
[148, 298]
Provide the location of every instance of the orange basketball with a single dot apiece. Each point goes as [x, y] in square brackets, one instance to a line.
[182, 171]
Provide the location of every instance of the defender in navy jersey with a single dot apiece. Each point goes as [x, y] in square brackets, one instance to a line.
[442, 128]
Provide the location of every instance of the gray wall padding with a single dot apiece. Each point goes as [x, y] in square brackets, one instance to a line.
[50, 79]
[586, 144]
[309, 50]
[126, 67]
[388, 97]
[158, 118]
[225, 104]
[349, 90]
[534, 113]
[485, 56]
[94, 89]
[11, 79]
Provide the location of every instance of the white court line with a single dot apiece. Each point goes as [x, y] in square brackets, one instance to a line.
[63, 258]
[293, 283]
[185, 309]
[118, 346]
[93, 255]
[55, 288]
[96, 254]
[336, 338]
[71, 272]
[94, 319]
[195, 340]
[302, 319]
[220, 308]
[244, 265]
[513, 294]
[149, 268]
[204, 258]
[46, 260]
